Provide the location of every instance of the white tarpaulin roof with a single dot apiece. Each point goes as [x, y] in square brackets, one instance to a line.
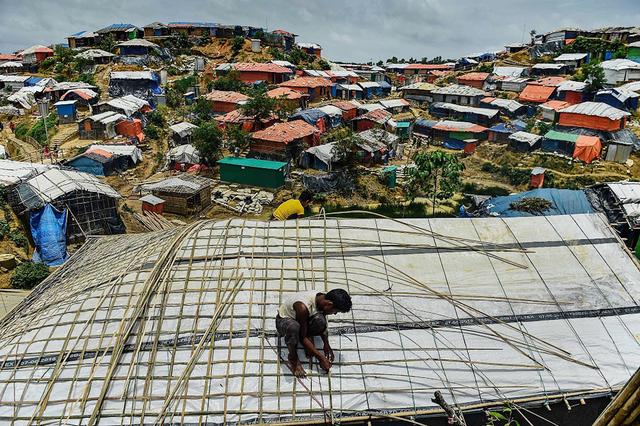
[183, 129]
[125, 150]
[324, 152]
[184, 154]
[129, 104]
[331, 110]
[12, 172]
[54, 183]
[178, 326]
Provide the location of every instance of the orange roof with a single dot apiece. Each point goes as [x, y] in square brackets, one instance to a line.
[286, 132]
[310, 82]
[8, 57]
[226, 96]
[344, 105]
[428, 67]
[261, 67]
[487, 99]
[536, 93]
[235, 116]
[474, 76]
[100, 152]
[550, 81]
[556, 105]
[439, 72]
[284, 92]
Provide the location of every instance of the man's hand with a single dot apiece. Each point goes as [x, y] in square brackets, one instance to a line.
[324, 363]
[328, 352]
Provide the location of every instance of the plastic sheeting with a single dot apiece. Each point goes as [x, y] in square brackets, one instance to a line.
[563, 201]
[311, 116]
[48, 229]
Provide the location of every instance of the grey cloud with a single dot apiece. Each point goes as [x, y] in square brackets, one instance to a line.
[353, 30]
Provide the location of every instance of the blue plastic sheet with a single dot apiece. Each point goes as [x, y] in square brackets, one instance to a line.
[563, 201]
[48, 229]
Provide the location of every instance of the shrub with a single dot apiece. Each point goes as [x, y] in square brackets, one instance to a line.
[28, 275]
[152, 131]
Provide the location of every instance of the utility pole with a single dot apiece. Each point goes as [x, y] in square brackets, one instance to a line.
[43, 108]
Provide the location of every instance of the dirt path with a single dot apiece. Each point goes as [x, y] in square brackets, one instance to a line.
[18, 149]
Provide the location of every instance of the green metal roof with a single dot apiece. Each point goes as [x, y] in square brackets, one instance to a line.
[253, 162]
[561, 136]
[403, 124]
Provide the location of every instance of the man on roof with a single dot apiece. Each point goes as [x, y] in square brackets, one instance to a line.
[301, 316]
[293, 209]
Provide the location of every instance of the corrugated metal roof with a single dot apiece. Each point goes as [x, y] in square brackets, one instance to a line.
[286, 132]
[309, 45]
[619, 64]
[597, 109]
[459, 90]
[368, 84]
[572, 86]
[309, 82]
[509, 71]
[571, 57]
[548, 67]
[536, 93]
[138, 42]
[226, 96]
[285, 92]
[394, 103]
[508, 104]
[487, 112]
[260, 67]
[474, 76]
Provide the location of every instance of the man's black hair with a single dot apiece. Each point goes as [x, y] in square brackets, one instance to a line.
[305, 196]
[340, 298]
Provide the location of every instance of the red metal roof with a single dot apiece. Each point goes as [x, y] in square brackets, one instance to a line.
[261, 67]
[286, 132]
[344, 105]
[441, 67]
[550, 81]
[8, 57]
[379, 116]
[536, 93]
[226, 96]
[310, 82]
[474, 76]
[556, 105]
[284, 92]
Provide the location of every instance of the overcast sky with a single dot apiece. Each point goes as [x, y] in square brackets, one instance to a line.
[355, 30]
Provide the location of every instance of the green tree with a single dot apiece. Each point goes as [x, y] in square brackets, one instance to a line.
[345, 151]
[593, 74]
[436, 174]
[237, 138]
[237, 43]
[260, 105]
[108, 43]
[208, 139]
[230, 81]
[28, 275]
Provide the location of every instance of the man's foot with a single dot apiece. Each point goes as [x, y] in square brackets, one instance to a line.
[297, 370]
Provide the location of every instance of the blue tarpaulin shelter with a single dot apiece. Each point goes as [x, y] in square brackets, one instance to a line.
[49, 229]
[311, 116]
[563, 201]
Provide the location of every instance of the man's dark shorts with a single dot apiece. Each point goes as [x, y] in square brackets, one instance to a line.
[290, 328]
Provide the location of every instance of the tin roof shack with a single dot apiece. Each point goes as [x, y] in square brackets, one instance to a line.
[284, 141]
[10, 67]
[137, 47]
[482, 116]
[618, 98]
[141, 84]
[548, 69]
[618, 71]
[184, 194]
[282, 38]
[371, 119]
[129, 106]
[34, 55]
[253, 172]
[125, 156]
[83, 97]
[510, 71]
[370, 89]
[373, 143]
[349, 91]
[593, 115]
[315, 87]
[120, 32]
[572, 92]
[292, 99]
[550, 110]
[524, 141]
[456, 94]
[182, 157]
[396, 106]
[559, 142]
[96, 56]
[194, 29]
[67, 111]
[423, 69]
[500, 132]
[13, 83]
[156, 30]
[223, 101]
[311, 49]
[250, 72]
[334, 115]
[100, 126]
[420, 92]
[511, 84]
[474, 79]
[571, 61]
[91, 202]
[349, 110]
[453, 134]
[181, 132]
[245, 122]
[58, 90]
[507, 107]
[97, 162]
[83, 39]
